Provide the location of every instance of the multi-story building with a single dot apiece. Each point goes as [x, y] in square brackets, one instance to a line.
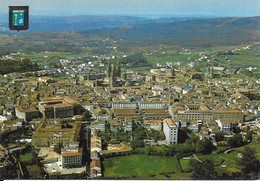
[225, 125]
[190, 115]
[120, 105]
[153, 124]
[71, 157]
[26, 114]
[153, 105]
[127, 113]
[234, 115]
[56, 107]
[187, 114]
[151, 114]
[141, 105]
[99, 125]
[95, 148]
[50, 133]
[170, 130]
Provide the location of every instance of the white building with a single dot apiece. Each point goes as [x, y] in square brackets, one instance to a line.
[170, 130]
[120, 105]
[153, 105]
[71, 157]
[225, 125]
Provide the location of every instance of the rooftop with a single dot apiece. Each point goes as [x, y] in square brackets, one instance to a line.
[170, 122]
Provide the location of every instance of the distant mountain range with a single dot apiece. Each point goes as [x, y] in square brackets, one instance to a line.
[218, 31]
[84, 22]
[133, 33]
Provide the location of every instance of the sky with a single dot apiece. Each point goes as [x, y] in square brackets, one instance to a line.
[219, 8]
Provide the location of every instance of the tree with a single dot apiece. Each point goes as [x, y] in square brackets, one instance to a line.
[135, 60]
[204, 146]
[235, 141]
[139, 133]
[49, 81]
[86, 115]
[219, 136]
[77, 109]
[236, 129]
[137, 144]
[249, 162]
[156, 135]
[57, 148]
[203, 170]
[249, 135]
[199, 146]
[183, 135]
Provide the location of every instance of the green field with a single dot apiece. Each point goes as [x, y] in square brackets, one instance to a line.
[185, 164]
[162, 58]
[26, 157]
[231, 159]
[255, 145]
[214, 157]
[142, 166]
[244, 60]
[220, 149]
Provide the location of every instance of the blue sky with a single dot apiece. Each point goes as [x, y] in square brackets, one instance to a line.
[138, 7]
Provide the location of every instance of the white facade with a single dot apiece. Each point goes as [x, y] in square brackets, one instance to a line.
[170, 130]
[71, 157]
[120, 105]
[225, 125]
[152, 105]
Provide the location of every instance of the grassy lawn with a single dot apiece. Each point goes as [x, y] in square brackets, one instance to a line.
[255, 145]
[26, 158]
[185, 164]
[141, 166]
[231, 159]
[162, 58]
[221, 149]
[212, 156]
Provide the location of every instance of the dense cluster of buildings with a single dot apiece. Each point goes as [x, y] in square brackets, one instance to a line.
[164, 100]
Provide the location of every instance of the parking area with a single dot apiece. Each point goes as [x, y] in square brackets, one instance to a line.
[48, 154]
[52, 168]
[52, 163]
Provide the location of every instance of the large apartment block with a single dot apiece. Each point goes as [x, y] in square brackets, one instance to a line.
[205, 115]
[26, 114]
[56, 107]
[52, 132]
[170, 130]
[141, 105]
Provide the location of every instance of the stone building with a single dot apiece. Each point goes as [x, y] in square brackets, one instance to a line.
[56, 107]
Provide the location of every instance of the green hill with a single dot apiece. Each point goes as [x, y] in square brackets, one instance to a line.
[205, 32]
